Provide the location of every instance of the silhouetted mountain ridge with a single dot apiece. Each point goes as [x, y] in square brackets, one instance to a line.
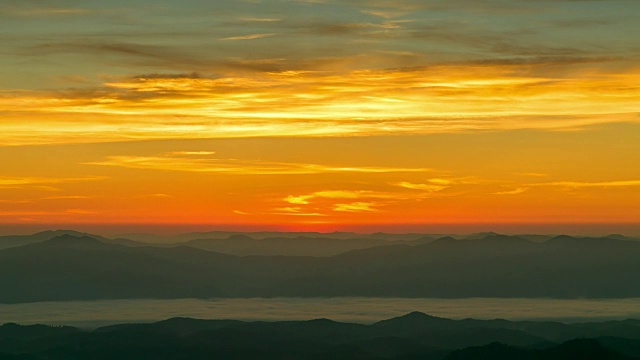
[21, 240]
[74, 268]
[412, 336]
[70, 240]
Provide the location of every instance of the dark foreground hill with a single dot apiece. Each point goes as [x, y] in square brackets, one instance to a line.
[72, 268]
[413, 336]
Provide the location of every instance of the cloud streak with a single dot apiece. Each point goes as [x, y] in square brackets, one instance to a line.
[294, 103]
[249, 37]
[170, 162]
[17, 182]
[355, 207]
[597, 184]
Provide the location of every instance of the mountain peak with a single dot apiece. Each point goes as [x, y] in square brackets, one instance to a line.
[619, 237]
[60, 232]
[446, 239]
[70, 240]
[562, 239]
[412, 319]
[320, 321]
[417, 315]
[481, 235]
[240, 237]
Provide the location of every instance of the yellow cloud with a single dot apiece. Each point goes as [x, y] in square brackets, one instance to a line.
[194, 153]
[386, 196]
[601, 184]
[339, 194]
[441, 181]
[249, 37]
[290, 209]
[256, 19]
[512, 192]
[533, 174]
[38, 181]
[386, 14]
[442, 99]
[423, 187]
[3, 201]
[67, 197]
[300, 200]
[170, 162]
[343, 194]
[355, 207]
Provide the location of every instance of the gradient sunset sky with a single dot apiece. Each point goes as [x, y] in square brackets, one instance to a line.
[365, 115]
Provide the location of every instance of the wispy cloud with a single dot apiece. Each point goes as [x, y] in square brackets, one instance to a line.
[30, 11]
[302, 103]
[39, 215]
[386, 13]
[15, 182]
[516, 191]
[260, 19]
[170, 162]
[431, 187]
[5, 201]
[298, 200]
[355, 207]
[289, 209]
[68, 197]
[533, 174]
[339, 194]
[190, 153]
[249, 37]
[354, 201]
[597, 184]
[570, 185]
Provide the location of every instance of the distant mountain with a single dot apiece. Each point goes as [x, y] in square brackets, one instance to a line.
[21, 240]
[68, 267]
[71, 268]
[480, 235]
[220, 235]
[240, 244]
[413, 336]
[622, 237]
[243, 245]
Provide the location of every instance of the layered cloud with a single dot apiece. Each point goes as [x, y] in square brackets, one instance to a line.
[290, 103]
[312, 68]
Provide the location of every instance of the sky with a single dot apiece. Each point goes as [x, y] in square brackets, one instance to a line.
[320, 115]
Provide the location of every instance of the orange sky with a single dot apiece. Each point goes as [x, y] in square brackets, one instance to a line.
[321, 115]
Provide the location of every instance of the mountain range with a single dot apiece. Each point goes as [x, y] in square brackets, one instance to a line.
[85, 267]
[412, 336]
